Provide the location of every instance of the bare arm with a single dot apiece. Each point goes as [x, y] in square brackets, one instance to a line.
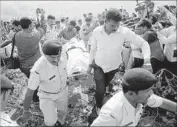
[28, 99]
[140, 42]
[5, 43]
[169, 105]
[157, 101]
[42, 28]
[167, 40]
[93, 49]
[33, 83]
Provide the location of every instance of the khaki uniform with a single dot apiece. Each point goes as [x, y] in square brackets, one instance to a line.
[53, 92]
[119, 112]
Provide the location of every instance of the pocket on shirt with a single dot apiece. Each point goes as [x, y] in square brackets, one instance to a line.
[52, 78]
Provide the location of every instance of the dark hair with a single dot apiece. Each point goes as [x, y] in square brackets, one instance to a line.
[165, 23]
[16, 23]
[25, 22]
[167, 7]
[153, 19]
[57, 22]
[88, 19]
[113, 14]
[125, 89]
[168, 23]
[73, 23]
[90, 13]
[62, 20]
[145, 23]
[50, 17]
[150, 36]
[77, 28]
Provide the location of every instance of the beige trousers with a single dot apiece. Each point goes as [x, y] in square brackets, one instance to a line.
[51, 103]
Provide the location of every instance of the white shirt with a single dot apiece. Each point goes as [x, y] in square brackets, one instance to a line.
[169, 39]
[51, 33]
[136, 51]
[48, 77]
[119, 112]
[106, 49]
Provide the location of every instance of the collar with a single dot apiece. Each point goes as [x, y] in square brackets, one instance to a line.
[127, 103]
[129, 107]
[103, 30]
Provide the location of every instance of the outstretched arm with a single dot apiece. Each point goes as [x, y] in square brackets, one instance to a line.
[157, 101]
[5, 43]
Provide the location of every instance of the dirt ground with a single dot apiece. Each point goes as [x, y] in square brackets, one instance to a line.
[81, 103]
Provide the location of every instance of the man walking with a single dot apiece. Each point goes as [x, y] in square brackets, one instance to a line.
[106, 48]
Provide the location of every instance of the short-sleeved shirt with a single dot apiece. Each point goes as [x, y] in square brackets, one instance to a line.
[48, 77]
[119, 112]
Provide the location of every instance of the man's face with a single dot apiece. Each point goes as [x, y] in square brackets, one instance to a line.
[53, 59]
[88, 23]
[51, 22]
[112, 26]
[17, 28]
[140, 30]
[142, 96]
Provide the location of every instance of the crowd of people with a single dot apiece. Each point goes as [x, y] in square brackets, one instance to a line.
[42, 55]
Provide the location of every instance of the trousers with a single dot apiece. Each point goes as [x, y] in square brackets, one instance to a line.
[102, 80]
[54, 106]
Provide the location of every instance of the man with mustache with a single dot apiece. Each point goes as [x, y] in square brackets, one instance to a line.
[50, 75]
[106, 49]
[126, 106]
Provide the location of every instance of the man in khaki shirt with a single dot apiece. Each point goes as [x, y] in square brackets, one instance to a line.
[126, 106]
[49, 73]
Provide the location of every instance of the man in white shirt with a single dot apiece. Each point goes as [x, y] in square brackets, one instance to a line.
[58, 27]
[87, 29]
[106, 48]
[51, 32]
[50, 74]
[126, 106]
[167, 36]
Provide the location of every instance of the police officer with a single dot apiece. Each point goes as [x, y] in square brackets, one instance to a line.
[49, 73]
[125, 107]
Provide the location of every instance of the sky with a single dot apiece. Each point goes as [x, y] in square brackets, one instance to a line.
[73, 9]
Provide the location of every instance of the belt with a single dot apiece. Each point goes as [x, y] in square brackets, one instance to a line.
[51, 92]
